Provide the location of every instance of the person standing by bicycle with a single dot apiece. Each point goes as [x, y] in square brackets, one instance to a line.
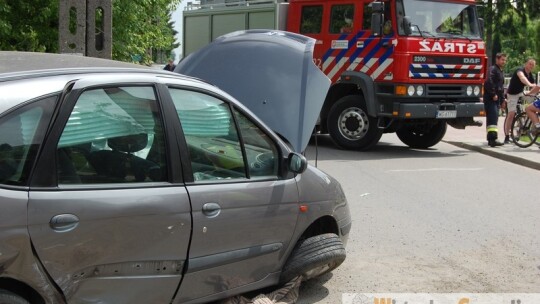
[494, 98]
[522, 77]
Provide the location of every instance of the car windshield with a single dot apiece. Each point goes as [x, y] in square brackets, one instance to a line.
[442, 19]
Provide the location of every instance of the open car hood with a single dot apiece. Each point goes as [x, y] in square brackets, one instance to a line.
[272, 73]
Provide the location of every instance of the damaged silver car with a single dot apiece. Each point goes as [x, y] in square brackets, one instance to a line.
[132, 185]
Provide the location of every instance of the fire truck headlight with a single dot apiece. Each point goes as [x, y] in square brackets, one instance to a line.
[469, 90]
[410, 90]
[476, 91]
[420, 90]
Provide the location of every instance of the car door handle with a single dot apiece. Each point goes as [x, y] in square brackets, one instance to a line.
[64, 222]
[211, 209]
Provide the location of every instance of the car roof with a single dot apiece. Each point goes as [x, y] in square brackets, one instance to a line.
[27, 75]
[29, 61]
[29, 65]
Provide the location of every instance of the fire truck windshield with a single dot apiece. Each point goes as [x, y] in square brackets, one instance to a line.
[439, 19]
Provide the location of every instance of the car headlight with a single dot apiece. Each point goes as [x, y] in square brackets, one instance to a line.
[469, 90]
[410, 90]
[420, 90]
[476, 90]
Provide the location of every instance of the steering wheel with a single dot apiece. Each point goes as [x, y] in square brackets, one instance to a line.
[263, 162]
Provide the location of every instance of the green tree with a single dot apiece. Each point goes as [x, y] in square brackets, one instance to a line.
[29, 25]
[161, 55]
[512, 27]
[140, 26]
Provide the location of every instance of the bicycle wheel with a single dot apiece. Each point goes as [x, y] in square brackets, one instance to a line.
[520, 132]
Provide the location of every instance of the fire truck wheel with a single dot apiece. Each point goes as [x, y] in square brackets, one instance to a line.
[350, 126]
[423, 136]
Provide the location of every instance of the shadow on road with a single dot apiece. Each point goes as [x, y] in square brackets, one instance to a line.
[327, 150]
[314, 291]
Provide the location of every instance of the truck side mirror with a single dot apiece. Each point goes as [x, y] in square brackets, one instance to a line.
[481, 24]
[377, 7]
[407, 25]
[376, 23]
[377, 17]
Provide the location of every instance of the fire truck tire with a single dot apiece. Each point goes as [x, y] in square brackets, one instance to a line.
[422, 137]
[349, 125]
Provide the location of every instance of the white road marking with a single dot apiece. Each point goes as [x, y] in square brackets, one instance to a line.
[436, 169]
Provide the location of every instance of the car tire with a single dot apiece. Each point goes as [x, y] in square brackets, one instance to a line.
[350, 126]
[7, 297]
[313, 257]
[422, 137]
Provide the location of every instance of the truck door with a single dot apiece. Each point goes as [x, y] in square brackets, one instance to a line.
[335, 26]
[342, 32]
[374, 54]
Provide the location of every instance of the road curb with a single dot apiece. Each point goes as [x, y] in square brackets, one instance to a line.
[494, 153]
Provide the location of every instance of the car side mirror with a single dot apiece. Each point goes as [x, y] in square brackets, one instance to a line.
[296, 162]
[407, 25]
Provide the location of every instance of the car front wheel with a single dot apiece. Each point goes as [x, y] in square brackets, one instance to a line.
[313, 257]
[7, 297]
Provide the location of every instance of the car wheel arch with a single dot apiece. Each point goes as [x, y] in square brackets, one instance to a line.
[21, 289]
[322, 225]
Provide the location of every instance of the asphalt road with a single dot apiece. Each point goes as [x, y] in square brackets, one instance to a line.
[443, 220]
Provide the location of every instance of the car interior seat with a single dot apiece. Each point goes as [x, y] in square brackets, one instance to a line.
[120, 164]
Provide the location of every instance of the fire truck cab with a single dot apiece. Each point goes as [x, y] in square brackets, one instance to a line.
[404, 66]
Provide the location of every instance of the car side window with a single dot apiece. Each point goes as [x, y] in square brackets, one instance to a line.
[211, 135]
[113, 135]
[22, 133]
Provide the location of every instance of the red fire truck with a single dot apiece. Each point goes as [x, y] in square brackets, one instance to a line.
[404, 66]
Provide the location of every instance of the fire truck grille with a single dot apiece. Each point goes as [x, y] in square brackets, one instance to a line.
[434, 71]
[445, 90]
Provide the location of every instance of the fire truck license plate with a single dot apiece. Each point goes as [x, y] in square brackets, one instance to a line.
[447, 114]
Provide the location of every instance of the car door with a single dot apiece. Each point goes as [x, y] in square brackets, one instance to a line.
[243, 214]
[108, 216]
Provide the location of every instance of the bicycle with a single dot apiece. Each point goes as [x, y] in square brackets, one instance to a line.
[521, 131]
